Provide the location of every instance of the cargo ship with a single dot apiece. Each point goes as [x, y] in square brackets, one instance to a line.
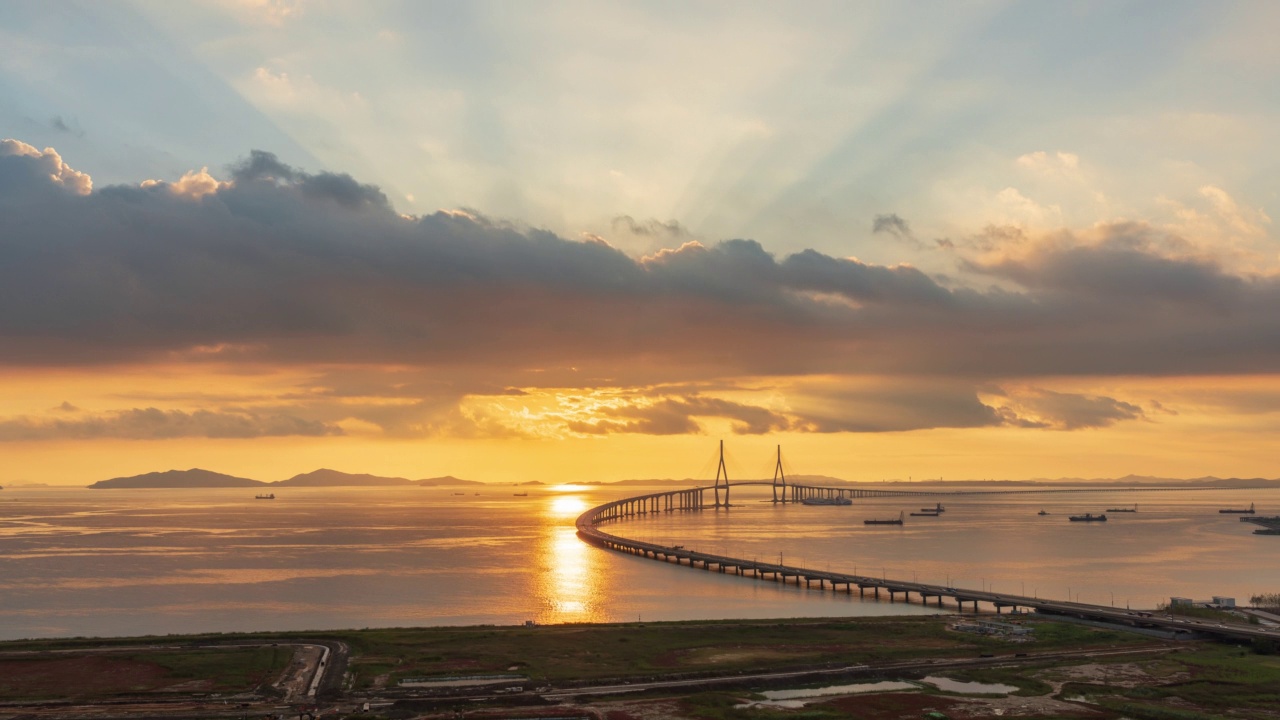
[935, 509]
[1233, 511]
[925, 512]
[268, 496]
[1132, 509]
[884, 522]
[1088, 517]
[826, 501]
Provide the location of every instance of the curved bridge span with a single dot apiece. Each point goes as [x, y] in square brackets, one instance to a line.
[696, 500]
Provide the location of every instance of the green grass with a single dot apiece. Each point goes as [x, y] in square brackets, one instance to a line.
[231, 669]
[586, 652]
[567, 652]
[1213, 678]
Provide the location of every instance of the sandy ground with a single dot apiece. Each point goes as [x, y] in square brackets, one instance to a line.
[293, 681]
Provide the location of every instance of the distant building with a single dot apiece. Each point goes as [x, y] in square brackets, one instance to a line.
[1181, 602]
[1224, 601]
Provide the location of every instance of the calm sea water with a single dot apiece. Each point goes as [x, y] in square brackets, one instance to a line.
[128, 562]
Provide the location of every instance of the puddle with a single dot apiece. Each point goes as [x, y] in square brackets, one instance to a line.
[793, 699]
[969, 688]
[798, 698]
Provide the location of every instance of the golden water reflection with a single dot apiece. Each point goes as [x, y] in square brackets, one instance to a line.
[570, 506]
[570, 582]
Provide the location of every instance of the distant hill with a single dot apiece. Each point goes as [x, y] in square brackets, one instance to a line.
[334, 478]
[324, 477]
[193, 478]
[446, 480]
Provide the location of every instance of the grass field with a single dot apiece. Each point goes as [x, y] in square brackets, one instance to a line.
[559, 653]
[1198, 681]
[100, 675]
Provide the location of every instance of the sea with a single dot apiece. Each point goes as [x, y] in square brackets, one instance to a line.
[111, 563]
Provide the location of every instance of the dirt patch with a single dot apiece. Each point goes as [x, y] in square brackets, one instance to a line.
[1126, 675]
[891, 706]
[78, 677]
[641, 710]
[190, 686]
[744, 655]
[1014, 706]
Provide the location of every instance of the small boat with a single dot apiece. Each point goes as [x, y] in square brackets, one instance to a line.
[884, 522]
[826, 501]
[459, 493]
[1088, 517]
[520, 494]
[1042, 512]
[1230, 511]
[1132, 509]
[268, 496]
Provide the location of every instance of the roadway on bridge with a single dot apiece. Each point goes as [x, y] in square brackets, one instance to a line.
[588, 530]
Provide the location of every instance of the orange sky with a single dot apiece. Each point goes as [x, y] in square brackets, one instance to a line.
[528, 436]
[513, 242]
[280, 320]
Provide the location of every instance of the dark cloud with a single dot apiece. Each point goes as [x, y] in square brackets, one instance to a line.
[286, 265]
[155, 424]
[893, 406]
[669, 230]
[261, 165]
[891, 224]
[676, 416]
[894, 226]
[1071, 411]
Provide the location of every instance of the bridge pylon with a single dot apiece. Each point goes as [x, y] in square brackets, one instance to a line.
[722, 472]
[779, 479]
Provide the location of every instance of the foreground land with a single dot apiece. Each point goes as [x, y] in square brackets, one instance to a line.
[1035, 668]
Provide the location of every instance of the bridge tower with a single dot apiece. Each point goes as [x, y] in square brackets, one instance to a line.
[721, 471]
[779, 479]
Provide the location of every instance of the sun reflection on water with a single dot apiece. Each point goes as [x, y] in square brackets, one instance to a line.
[567, 506]
[571, 583]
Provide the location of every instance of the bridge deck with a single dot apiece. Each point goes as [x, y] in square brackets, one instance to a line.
[692, 500]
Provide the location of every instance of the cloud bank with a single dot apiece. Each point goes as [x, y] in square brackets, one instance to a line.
[280, 265]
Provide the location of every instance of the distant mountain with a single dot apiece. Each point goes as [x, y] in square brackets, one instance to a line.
[193, 478]
[533, 482]
[446, 480]
[334, 478]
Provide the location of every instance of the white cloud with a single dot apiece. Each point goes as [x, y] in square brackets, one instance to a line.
[1059, 163]
[193, 184]
[50, 162]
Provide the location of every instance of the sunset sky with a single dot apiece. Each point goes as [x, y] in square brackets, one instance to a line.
[568, 241]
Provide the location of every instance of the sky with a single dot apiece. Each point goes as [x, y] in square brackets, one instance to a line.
[575, 242]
